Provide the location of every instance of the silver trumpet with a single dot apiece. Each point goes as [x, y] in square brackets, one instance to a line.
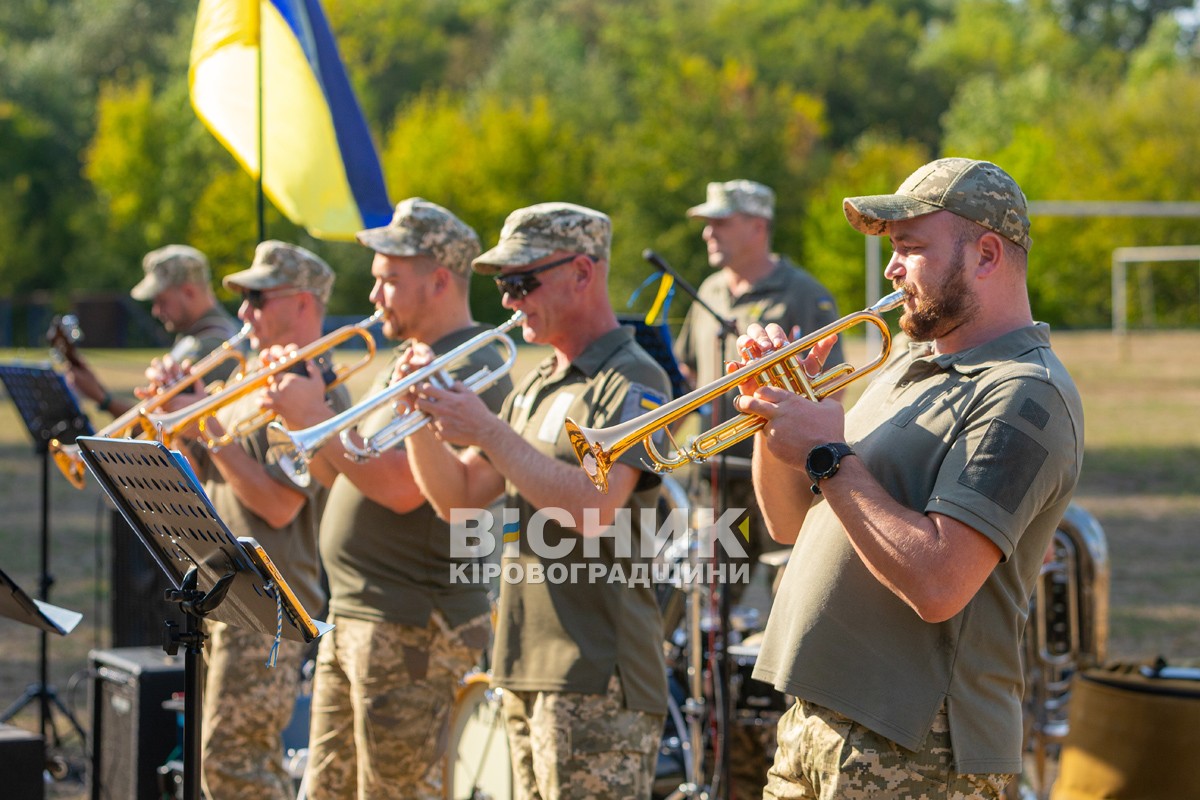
[293, 450]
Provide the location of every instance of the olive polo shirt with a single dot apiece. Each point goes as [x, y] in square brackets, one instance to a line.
[293, 547]
[993, 437]
[208, 333]
[572, 636]
[384, 566]
[788, 296]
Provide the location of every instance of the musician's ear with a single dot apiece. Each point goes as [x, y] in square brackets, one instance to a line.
[441, 279]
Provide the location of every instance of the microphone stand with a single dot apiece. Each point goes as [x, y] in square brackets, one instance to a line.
[727, 329]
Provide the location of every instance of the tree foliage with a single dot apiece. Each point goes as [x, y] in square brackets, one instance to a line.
[630, 106]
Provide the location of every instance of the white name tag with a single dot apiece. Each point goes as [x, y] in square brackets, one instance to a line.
[552, 423]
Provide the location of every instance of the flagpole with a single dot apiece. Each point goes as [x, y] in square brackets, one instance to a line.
[261, 203]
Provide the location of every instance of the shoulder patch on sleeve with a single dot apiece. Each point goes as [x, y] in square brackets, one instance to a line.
[1003, 466]
[640, 399]
[1035, 414]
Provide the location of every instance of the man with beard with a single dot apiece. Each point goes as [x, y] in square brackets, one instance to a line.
[404, 633]
[178, 284]
[920, 518]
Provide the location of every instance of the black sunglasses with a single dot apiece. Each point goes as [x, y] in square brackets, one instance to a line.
[520, 284]
[257, 298]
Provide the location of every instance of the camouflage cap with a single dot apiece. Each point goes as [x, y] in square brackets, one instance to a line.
[422, 228]
[975, 190]
[281, 264]
[736, 197]
[171, 266]
[532, 233]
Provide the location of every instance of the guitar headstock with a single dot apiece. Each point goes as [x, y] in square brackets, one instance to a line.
[62, 337]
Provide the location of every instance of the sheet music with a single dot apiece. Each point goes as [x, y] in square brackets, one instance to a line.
[161, 497]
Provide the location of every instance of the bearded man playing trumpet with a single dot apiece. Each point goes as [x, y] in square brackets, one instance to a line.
[247, 704]
[921, 517]
[404, 635]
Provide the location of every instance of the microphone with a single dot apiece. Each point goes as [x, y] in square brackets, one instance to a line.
[657, 260]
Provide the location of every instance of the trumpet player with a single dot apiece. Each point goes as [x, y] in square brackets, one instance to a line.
[178, 284]
[246, 704]
[920, 518]
[579, 659]
[404, 634]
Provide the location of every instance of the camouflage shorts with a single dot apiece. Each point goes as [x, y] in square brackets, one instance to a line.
[382, 697]
[567, 745]
[825, 755]
[246, 707]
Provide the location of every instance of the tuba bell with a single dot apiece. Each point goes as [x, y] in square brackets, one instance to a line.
[1067, 633]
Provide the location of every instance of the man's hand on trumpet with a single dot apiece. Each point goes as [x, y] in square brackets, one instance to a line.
[457, 414]
[795, 424]
[297, 395]
[163, 372]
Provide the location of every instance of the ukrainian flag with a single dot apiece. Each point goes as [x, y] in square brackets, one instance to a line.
[319, 165]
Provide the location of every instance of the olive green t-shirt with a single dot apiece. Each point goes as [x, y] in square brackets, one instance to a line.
[992, 437]
[384, 566]
[293, 548]
[209, 332]
[788, 296]
[572, 635]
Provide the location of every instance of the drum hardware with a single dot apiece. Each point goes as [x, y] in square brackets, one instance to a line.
[477, 765]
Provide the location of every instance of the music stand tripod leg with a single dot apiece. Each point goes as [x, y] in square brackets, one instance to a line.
[195, 605]
[42, 692]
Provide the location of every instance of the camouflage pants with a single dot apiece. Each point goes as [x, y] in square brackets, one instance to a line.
[580, 746]
[382, 698]
[825, 755]
[246, 707]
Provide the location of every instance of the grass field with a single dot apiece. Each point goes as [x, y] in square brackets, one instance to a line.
[1141, 481]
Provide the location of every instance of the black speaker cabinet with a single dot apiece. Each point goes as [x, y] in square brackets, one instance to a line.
[21, 760]
[132, 734]
[139, 607]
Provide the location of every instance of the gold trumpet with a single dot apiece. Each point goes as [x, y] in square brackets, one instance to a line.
[168, 426]
[296, 448]
[132, 424]
[599, 448]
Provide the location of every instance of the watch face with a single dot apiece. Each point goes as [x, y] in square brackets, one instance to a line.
[820, 460]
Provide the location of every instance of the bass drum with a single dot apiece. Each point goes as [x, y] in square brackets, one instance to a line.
[477, 761]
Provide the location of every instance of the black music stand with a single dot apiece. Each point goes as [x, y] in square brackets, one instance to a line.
[214, 574]
[15, 604]
[49, 411]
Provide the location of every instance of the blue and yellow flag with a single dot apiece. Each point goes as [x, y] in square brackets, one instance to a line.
[319, 164]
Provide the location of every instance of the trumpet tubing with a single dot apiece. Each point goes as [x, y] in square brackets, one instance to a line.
[295, 449]
[134, 424]
[599, 448]
[168, 426]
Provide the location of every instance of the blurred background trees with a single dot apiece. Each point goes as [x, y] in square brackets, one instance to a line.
[629, 106]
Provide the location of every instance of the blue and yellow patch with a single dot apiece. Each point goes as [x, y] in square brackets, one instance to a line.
[512, 532]
[639, 400]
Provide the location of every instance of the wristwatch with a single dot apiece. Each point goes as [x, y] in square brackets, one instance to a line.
[824, 461]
